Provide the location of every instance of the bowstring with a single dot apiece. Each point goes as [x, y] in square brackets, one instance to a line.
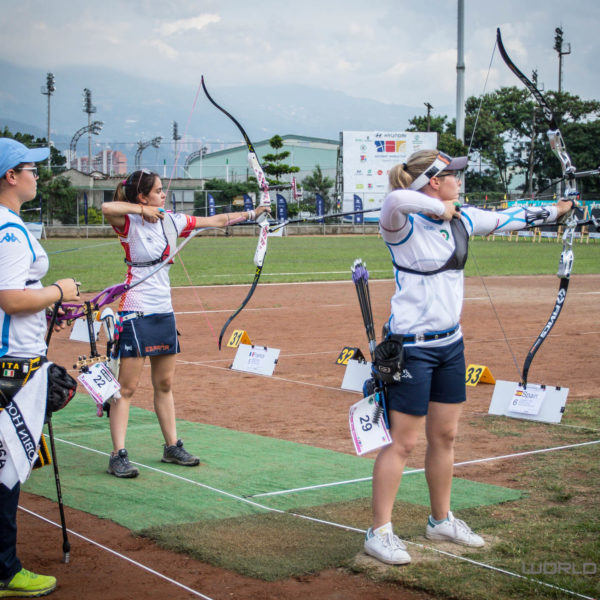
[481, 278]
[173, 172]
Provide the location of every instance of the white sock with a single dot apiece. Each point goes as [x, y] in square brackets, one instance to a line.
[384, 529]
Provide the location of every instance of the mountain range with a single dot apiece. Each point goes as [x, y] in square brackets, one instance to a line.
[135, 109]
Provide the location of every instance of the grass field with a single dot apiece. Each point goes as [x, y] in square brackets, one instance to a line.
[547, 540]
[98, 263]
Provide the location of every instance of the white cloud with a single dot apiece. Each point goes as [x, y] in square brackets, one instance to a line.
[182, 25]
[163, 48]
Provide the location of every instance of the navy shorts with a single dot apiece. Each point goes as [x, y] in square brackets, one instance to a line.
[149, 335]
[429, 375]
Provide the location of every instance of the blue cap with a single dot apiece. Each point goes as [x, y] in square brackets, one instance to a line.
[13, 153]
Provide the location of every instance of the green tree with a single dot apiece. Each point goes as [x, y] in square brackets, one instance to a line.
[272, 163]
[58, 196]
[57, 160]
[445, 129]
[497, 126]
[317, 183]
[579, 122]
[510, 137]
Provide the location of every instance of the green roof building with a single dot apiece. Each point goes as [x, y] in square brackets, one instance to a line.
[232, 164]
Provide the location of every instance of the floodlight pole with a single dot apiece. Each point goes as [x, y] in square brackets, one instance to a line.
[48, 90]
[142, 145]
[89, 108]
[176, 138]
[460, 73]
[558, 46]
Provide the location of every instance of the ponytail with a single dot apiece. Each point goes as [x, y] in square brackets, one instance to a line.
[139, 182]
[403, 174]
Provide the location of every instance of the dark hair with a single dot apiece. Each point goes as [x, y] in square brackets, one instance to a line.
[139, 182]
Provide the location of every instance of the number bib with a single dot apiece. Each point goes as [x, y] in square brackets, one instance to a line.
[100, 384]
[366, 435]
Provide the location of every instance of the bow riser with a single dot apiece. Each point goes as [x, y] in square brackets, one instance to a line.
[261, 248]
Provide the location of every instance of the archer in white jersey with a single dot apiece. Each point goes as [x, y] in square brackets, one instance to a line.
[23, 303]
[429, 291]
[147, 234]
[427, 233]
[144, 243]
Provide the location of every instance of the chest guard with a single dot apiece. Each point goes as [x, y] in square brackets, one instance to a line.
[170, 234]
[457, 260]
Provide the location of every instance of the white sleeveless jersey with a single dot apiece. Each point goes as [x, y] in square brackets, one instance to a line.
[420, 241]
[23, 263]
[145, 242]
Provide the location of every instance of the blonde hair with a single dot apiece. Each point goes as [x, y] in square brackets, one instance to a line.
[403, 174]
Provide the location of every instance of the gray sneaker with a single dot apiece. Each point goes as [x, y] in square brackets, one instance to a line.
[119, 465]
[179, 455]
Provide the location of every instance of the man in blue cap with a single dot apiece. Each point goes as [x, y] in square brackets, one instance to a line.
[23, 300]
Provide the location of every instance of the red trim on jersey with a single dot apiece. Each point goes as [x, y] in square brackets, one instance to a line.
[129, 275]
[189, 226]
[125, 230]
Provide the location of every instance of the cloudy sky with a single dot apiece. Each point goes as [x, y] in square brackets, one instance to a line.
[397, 51]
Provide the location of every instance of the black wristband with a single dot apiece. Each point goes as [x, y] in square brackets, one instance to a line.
[59, 301]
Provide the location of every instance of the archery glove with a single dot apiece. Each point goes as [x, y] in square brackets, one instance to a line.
[61, 388]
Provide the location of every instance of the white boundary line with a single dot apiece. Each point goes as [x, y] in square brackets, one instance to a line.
[119, 555]
[334, 524]
[318, 385]
[413, 471]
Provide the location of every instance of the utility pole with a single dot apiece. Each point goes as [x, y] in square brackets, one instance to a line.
[558, 46]
[90, 109]
[429, 108]
[48, 91]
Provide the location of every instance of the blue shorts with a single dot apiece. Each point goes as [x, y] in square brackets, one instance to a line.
[429, 375]
[149, 335]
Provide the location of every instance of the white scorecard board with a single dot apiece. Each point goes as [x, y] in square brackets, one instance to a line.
[508, 401]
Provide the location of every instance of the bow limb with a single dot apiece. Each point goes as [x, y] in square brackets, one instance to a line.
[261, 248]
[565, 264]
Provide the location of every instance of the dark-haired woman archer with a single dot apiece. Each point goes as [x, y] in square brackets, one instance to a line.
[146, 319]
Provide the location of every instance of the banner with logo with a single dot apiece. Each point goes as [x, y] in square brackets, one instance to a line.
[85, 208]
[358, 205]
[248, 205]
[211, 205]
[281, 208]
[368, 158]
[319, 206]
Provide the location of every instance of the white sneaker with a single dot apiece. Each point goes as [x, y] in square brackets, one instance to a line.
[387, 548]
[453, 530]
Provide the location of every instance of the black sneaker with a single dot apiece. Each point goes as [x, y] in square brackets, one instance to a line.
[119, 465]
[179, 455]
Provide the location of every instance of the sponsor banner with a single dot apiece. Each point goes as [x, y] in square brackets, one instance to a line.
[368, 158]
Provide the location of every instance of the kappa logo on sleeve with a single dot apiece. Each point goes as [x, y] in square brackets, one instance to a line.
[10, 237]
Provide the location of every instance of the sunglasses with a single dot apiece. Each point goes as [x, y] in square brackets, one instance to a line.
[34, 170]
[455, 174]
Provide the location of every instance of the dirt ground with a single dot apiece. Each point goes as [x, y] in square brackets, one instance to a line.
[310, 324]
